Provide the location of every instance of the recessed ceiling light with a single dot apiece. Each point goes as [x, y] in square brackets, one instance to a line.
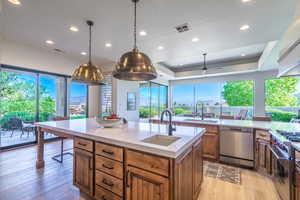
[246, 1]
[15, 2]
[143, 33]
[74, 29]
[195, 39]
[83, 53]
[49, 42]
[244, 27]
[160, 47]
[243, 55]
[108, 45]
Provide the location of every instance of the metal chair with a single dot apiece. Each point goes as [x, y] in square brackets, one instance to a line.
[242, 115]
[15, 123]
[63, 151]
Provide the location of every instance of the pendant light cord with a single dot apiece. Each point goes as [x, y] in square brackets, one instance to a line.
[90, 44]
[134, 27]
[204, 67]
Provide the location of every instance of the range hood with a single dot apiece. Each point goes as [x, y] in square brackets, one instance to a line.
[289, 59]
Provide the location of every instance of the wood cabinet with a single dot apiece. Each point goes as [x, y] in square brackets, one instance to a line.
[114, 173]
[83, 170]
[197, 168]
[141, 184]
[263, 162]
[184, 176]
[211, 146]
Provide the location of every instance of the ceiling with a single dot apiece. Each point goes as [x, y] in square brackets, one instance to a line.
[215, 22]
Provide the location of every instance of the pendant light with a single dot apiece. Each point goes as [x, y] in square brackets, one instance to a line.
[89, 73]
[204, 69]
[135, 65]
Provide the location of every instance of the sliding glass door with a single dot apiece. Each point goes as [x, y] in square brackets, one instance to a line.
[78, 101]
[17, 108]
[153, 100]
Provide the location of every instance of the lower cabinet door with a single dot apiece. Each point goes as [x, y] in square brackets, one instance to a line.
[83, 171]
[211, 146]
[141, 184]
[197, 168]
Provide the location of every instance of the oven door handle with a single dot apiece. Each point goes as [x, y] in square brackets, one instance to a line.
[276, 154]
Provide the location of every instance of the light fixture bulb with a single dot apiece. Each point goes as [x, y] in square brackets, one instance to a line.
[143, 33]
[15, 2]
[74, 29]
[244, 27]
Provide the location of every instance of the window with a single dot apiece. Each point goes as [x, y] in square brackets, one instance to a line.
[184, 100]
[208, 98]
[153, 100]
[78, 101]
[17, 108]
[282, 98]
[106, 96]
[211, 100]
[237, 99]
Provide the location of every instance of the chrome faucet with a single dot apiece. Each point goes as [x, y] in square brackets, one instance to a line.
[169, 113]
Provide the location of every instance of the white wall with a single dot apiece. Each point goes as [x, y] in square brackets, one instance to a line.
[120, 90]
[258, 77]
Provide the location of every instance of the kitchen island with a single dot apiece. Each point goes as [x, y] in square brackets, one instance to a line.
[132, 160]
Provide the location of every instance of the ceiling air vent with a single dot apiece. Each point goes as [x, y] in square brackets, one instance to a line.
[183, 28]
[58, 50]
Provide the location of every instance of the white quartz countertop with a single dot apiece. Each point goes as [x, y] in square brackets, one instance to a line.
[129, 135]
[283, 126]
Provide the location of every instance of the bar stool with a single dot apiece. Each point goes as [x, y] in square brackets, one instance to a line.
[62, 150]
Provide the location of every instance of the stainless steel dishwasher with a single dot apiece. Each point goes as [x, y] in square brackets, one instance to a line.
[236, 146]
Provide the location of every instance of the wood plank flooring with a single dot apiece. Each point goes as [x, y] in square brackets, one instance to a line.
[19, 179]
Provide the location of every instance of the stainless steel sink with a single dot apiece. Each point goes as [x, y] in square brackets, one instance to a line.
[199, 120]
[162, 140]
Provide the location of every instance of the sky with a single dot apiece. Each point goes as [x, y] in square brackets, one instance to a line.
[77, 89]
[184, 94]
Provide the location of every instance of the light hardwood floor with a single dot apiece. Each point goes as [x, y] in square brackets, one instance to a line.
[253, 187]
[19, 180]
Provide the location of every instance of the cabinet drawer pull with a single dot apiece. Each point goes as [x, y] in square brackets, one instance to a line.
[107, 183]
[103, 197]
[81, 144]
[262, 135]
[107, 167]
[108, 152]
[127, 178]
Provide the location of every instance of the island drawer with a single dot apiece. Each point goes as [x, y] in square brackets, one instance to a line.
[148, 162]
[109, 182]
[83, 144]
[108, 151]
[109, 166]
[101, 193]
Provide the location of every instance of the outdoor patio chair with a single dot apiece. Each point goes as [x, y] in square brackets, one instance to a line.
[242, 115]
[63, 151]
[14, 123]
[27, 127]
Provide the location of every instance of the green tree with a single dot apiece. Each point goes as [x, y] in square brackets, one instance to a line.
[281, 92]
[238, 93]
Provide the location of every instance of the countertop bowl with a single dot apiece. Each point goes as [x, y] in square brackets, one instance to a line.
[110, 123]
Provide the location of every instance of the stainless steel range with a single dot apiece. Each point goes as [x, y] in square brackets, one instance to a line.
[281, 150]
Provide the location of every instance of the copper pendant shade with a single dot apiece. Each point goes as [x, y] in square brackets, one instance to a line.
[89, 73]
[135, 65]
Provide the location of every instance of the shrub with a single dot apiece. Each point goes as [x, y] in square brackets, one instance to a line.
[145, 112]
[181, 111]
[278, 115]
